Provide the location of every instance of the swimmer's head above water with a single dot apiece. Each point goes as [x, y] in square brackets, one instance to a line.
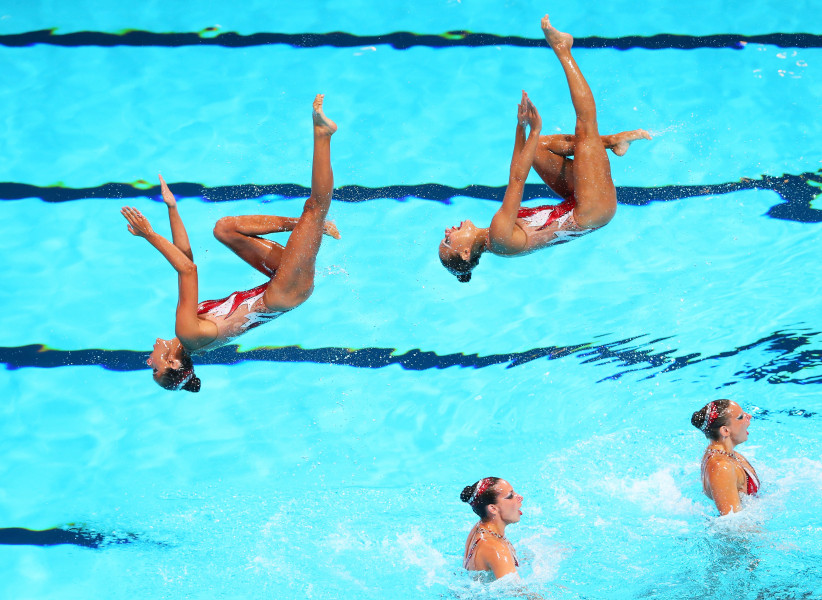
[172, 366]
[461, 248]
[493, 497]
[722, 418]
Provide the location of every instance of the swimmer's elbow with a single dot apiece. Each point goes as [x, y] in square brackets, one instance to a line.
[504, 570]
[730, 509]
[510, 577]
[727, 506]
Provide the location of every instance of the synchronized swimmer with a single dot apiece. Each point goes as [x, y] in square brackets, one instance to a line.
[727, 476]
[290, 269]
[584, 182]
[497, 505]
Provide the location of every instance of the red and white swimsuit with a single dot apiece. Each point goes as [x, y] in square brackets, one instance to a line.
[540, 217]
[235, 314]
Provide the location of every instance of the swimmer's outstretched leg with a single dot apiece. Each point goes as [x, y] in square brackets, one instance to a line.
[618, 143]
[241, 233]
[293, 282]
[592, 184]
[553, 165]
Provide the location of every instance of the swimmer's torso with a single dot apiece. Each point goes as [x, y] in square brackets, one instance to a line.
[480, 538]
[747, 481]
[234, 315]
[549, 225]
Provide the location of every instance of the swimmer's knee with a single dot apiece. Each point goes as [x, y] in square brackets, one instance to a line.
[225, 228]
[300, 294]
[317, 203]
[600, 216]
[279, 300]
[587, 129]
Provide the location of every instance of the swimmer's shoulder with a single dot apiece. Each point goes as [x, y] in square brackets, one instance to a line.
[208, 331]
[713, 462]
[490, 549]
[516, 244]
[719, 469]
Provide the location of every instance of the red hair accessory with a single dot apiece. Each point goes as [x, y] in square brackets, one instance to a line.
[713, 415]
[481, 487]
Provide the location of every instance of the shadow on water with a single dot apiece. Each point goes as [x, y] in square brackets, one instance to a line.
[74, 535]
[796, 192]
[783, 358]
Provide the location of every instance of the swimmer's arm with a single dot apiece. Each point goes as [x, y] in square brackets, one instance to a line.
[499, 560]
[504, 233]
[187, 324]
[193, 331]
[139, 226]
[722, 478]
[179, 236]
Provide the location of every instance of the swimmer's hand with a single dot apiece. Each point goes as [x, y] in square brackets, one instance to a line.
[329, 228]
[168, 197]
[522, 111]
[137, 224]
[531, 116]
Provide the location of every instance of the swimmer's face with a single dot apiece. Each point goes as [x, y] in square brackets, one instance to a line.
[458, 241]
[166, 355]
[737, 423]
[509, 503]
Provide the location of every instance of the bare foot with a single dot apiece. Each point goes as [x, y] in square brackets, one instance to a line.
[322, 124]
[625, 138]
[556, 38]
[329, 228]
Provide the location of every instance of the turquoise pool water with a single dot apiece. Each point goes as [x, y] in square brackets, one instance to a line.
[325, 455]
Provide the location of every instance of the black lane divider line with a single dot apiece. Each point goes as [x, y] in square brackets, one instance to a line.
[790, 360]
[796, 191]
[77, 536]
[399, 40]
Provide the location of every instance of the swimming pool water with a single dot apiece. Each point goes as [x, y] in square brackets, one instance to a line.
[324, 457]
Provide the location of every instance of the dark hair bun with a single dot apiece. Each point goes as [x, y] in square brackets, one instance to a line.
[193, 385]
[467, 492]
[698, 419]
[464, 277]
